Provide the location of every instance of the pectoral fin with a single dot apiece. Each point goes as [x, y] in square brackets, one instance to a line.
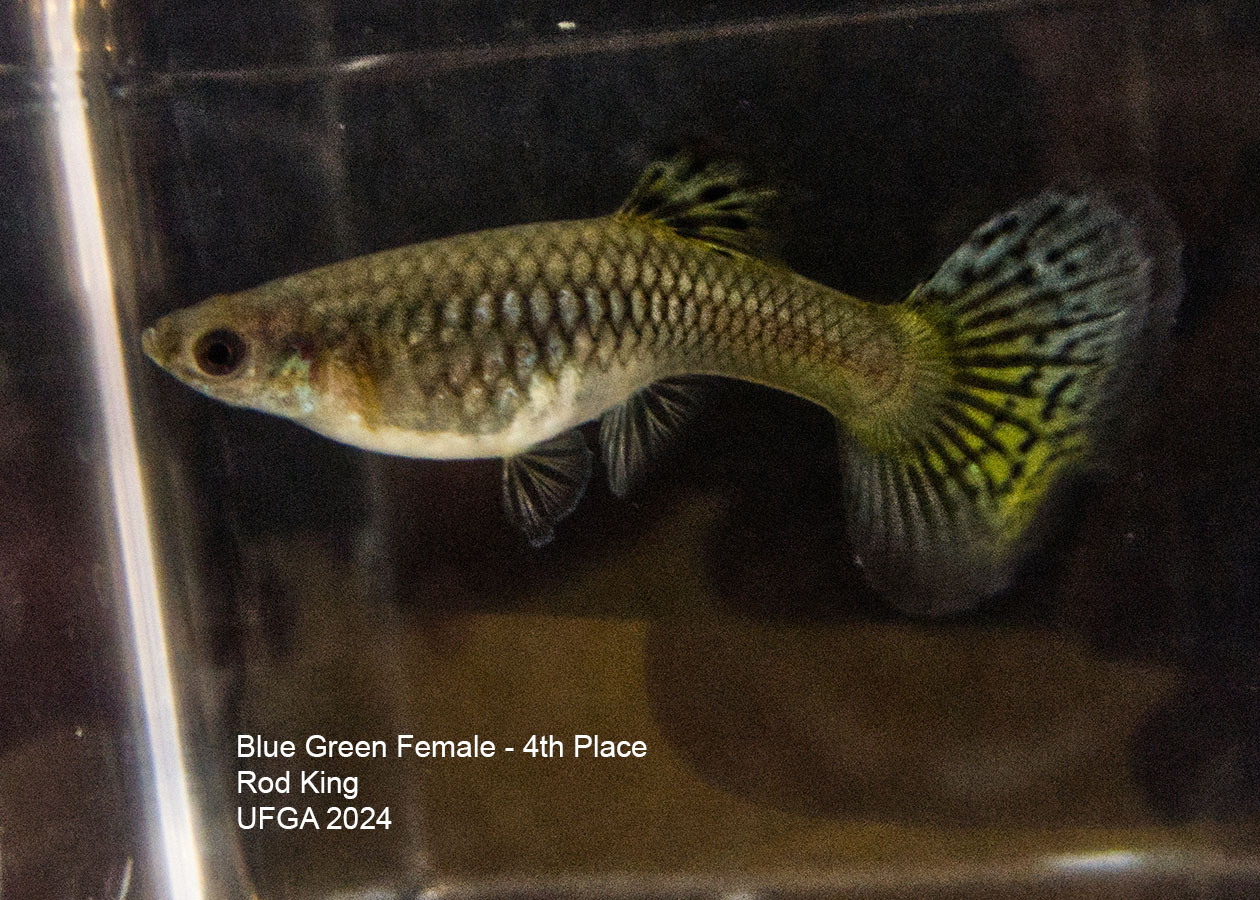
[543, 485]
[633, 434]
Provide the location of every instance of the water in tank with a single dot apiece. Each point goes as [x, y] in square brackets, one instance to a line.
[572, 585]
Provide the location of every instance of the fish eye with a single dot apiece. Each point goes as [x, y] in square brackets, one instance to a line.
[219, 352]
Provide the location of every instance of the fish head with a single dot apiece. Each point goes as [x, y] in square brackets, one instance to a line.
[239, 349]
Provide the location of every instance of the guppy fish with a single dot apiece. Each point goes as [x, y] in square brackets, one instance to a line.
[961, 409]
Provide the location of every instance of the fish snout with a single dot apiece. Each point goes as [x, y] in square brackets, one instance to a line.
[160, 342]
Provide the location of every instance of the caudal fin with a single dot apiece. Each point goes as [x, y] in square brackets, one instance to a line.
[1049, 314]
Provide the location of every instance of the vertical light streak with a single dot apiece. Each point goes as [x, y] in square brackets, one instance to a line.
[177, 838]
[1098, 861]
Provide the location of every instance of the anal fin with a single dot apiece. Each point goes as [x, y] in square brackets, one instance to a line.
[543, 485]
[634, 433]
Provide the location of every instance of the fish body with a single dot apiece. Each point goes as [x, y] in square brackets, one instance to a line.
[960, 408]
[485, 344]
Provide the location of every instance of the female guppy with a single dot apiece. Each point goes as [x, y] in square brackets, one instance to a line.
[961, 408]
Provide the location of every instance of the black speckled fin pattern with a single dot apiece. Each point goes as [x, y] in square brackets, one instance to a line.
[1047, 313]
[712, 201]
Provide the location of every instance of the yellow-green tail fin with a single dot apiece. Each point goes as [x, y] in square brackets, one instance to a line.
[1049, 315]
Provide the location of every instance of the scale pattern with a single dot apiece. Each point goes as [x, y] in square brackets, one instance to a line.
[453, 333]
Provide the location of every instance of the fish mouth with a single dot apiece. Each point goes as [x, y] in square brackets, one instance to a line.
[160, 342]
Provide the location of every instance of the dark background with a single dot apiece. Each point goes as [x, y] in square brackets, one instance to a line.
[242, 148]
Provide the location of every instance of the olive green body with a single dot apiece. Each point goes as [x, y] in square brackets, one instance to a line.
[476, 345]
[966, 406]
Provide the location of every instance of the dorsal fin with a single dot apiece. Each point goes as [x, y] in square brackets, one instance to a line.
[709, 200]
